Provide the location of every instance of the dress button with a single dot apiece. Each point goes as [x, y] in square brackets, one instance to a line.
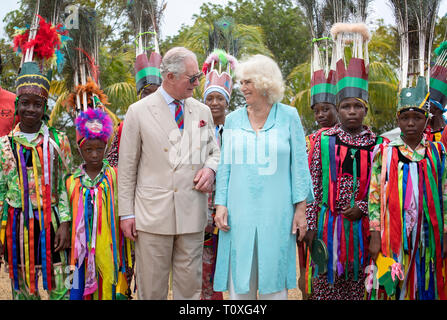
[175, 190]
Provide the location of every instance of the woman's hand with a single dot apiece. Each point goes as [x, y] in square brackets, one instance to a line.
[221, 218]
[299, 220]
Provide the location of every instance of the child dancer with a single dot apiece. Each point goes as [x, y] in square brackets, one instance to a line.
[99, 253]
[407, 204]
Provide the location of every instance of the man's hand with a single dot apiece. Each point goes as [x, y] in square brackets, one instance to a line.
[62, 238]
[204, 180]
[129, 228]
[221, 218]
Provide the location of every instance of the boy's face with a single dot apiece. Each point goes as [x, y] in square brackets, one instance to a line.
[351, 113]
[92, 152]
[30, 109]
[325, 114]
[411, 124]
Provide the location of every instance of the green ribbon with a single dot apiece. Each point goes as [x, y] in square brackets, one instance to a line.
[323, 88]
[438, 85]
[149, 71]
[347, 82]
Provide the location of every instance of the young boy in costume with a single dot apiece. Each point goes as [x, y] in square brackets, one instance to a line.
[322, 101]
[407, 202]
[34, 158]
[340, 168]
[98, 251]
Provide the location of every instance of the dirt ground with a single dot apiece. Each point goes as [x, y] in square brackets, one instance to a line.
[5, 288]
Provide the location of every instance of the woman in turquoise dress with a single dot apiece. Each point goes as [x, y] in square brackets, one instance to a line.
[263, 184]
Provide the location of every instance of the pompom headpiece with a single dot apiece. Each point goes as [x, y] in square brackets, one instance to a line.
[93, 124]
[216, 80]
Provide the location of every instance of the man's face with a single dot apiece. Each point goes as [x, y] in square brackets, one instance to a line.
[217, 104]
[30, 109]
[182, 85]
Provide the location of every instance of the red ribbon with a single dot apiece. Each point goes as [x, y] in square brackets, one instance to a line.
[394, 204]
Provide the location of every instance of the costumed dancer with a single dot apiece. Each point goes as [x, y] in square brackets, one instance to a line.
[144, 16]
[407, 206]
[34, 159]
[97, 247]
[100, 255]
[438, 94]
[407, 191]
[217, 95]
[340, 168]
[322, 101]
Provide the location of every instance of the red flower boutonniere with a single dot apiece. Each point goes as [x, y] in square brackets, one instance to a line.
[202, 123]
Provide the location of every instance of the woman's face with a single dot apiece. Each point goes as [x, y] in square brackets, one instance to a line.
[251, 94]
[351, 113]
[411, 124]
[217, 104]
[30, 109]
[325, 114]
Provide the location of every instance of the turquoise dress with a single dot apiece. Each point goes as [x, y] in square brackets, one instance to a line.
[259, 179]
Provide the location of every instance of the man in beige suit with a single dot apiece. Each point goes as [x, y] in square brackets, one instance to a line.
[168, 159]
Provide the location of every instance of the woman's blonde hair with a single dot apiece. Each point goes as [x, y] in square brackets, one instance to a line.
[265, 74]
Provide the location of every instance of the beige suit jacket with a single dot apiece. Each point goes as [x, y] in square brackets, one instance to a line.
[157, 165]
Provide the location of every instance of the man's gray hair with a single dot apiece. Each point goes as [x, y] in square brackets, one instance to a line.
[174, 61]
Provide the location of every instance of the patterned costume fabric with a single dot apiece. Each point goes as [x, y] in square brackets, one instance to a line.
[33, 201]
[100, 255]
[210, 243]
[345, 239]
[412, 236]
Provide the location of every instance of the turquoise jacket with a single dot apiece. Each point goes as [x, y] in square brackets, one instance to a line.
[259, 179]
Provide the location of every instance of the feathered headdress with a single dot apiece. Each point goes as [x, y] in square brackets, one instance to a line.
[40, 46]
[145, 16]
[216, 79]
[220, 64]
[415, 24]
[322, 67]
[81, 73]
[438, 78]
[352, 75]
[93, 124]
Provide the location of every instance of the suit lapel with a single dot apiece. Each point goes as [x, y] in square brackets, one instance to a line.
[164, 118]
[185, 143]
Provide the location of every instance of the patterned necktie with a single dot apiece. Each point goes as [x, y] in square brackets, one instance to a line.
[178, 114]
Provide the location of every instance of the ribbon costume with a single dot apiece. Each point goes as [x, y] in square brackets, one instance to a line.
[33, 199]
[408, 188]
[99, 251]
[340, 166]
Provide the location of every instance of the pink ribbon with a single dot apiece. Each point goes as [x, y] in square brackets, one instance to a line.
[396, 269]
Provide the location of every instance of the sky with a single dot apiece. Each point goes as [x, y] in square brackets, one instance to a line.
[180, 12]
